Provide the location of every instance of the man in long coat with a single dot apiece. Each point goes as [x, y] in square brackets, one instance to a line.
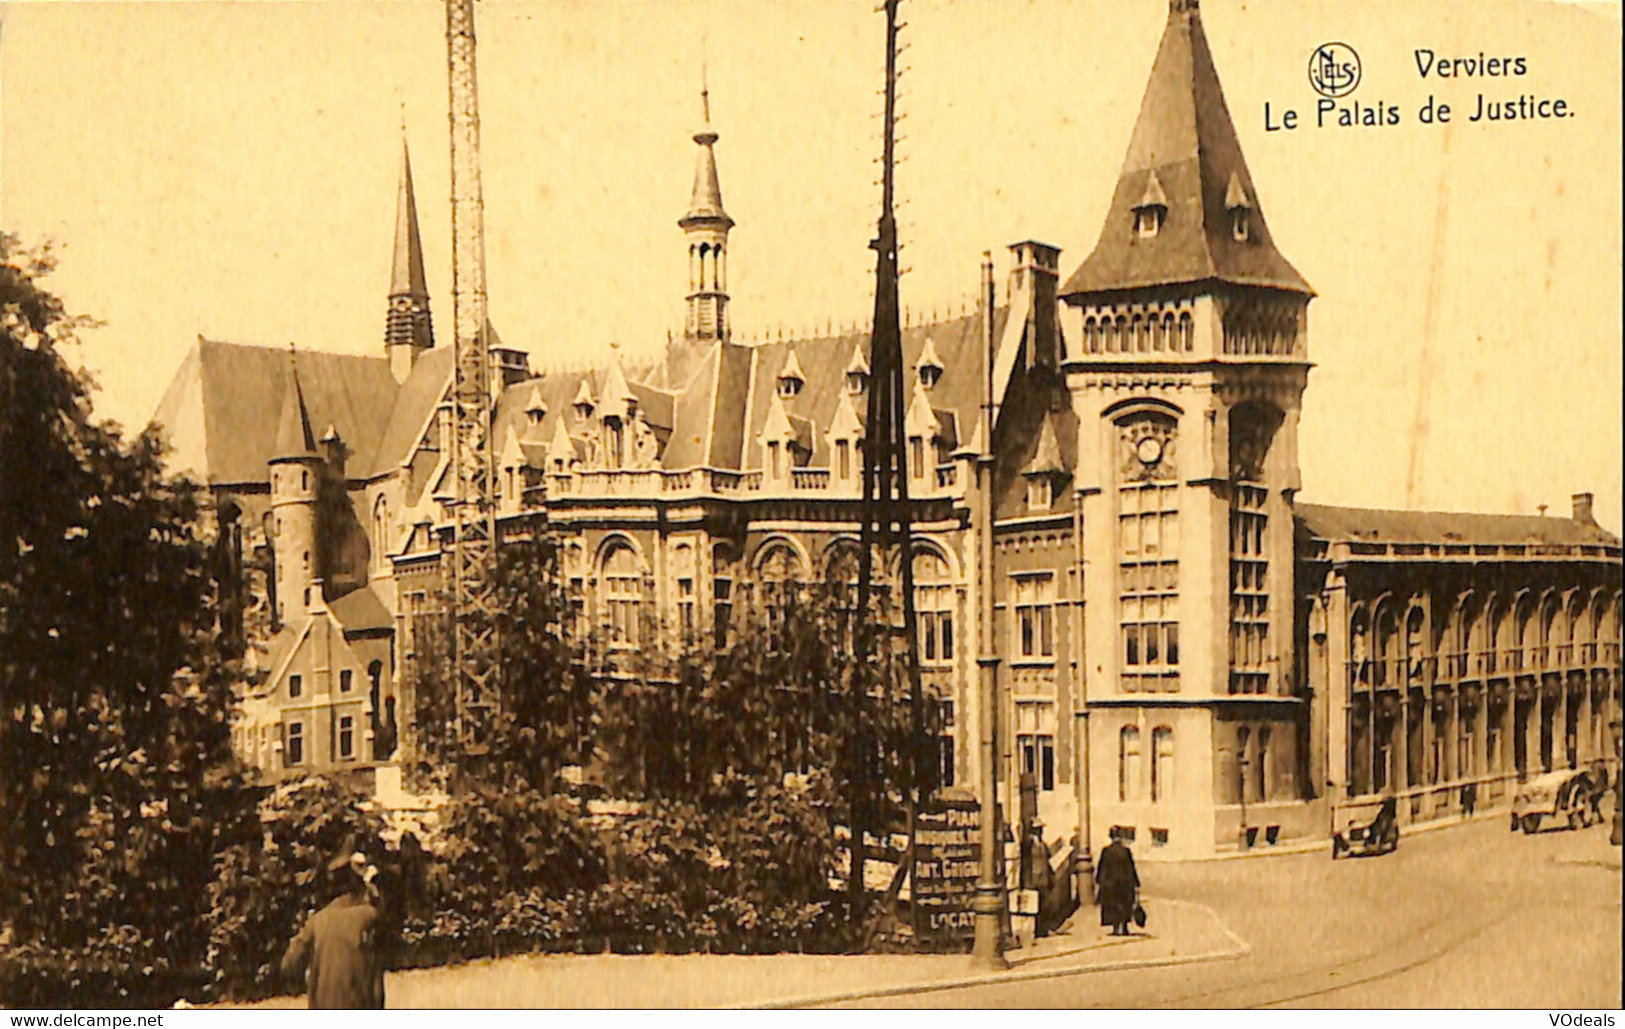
[1118, 885]
[339, 947]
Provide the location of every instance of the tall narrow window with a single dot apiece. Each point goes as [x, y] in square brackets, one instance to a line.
[346, 680]
[1252, 430]
[1162, 764]
[1035, 741]
[346, 737]
[945, 743]
[623, 594]
[843, 458]
[1148, 555]
[722, 594]
[1035, 616]
[296, 685]
[1261, 776]
[934, 610]
[1128, 764]
[296, 744]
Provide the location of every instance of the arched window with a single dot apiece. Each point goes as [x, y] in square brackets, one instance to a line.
[1159, 336]
[1137, 326]
[1415, 644]
[1128, 764]
[1186, 332]
[1125, 342]
[934, 609]
[623, 595]
[780, 575]
[1091, 335]
[1162, 764]
[380, 532]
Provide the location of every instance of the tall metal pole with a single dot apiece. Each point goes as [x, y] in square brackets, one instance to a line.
[887, 520]
[474, 521]
[990, 903]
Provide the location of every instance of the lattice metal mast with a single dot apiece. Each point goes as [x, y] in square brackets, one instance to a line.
[474, 512]
[887, 520]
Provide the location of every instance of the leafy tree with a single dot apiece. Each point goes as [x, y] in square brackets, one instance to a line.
[114, 703]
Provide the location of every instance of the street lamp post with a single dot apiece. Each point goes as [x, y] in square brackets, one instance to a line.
[988, 906]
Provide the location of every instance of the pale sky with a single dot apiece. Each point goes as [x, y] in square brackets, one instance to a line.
[230, 169]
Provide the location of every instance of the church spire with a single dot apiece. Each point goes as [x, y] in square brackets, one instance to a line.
[706, 226]
[1185, 210]
[408, 329]
[294, 438]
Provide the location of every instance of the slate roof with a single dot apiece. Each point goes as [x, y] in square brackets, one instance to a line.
[1375, 525]
[222, 409]
[360, 610]
[1184, 144]
[416, 400]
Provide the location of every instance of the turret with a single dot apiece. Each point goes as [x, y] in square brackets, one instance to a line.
[706, 227]
[296, 470]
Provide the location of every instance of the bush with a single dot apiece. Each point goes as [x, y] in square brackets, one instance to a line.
[272, 877]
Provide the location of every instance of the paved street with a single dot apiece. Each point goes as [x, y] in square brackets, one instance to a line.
[1469, 916]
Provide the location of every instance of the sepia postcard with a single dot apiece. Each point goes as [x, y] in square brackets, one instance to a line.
[810, 504]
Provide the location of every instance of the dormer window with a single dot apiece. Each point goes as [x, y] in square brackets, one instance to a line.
[584, 403]
[790, 378]
[857, 372]
[1236, 202]
[1152, 210]
[930, 365]
[536, 414]
[1040, 493]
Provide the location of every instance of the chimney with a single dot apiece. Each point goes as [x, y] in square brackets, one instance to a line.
[1034, 276]
[1582, 509]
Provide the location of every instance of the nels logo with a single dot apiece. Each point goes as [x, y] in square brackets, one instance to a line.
[1334, 69]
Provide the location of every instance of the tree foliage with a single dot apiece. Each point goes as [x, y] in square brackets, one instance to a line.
[114, 704]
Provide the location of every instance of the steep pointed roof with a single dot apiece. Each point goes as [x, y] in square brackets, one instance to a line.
[1047, 458]
[294, 437]
[1184, 148]
[406, 276]
[705, 204]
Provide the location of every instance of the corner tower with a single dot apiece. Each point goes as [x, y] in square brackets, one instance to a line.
[408, 330]
[296, 470]
[1186, 361]
[706, 228]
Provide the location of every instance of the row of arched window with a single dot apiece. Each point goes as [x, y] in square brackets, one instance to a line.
[623, 604]
[1133, 784]
[1496, 636]
[1142, 334]
[707, 266]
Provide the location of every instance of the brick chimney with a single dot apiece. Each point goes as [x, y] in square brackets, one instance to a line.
[1582, 509]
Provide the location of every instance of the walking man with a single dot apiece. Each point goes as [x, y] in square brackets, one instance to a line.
[339, 947]
[1118, 885]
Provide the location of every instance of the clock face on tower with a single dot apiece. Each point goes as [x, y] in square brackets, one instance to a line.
[1149, 450]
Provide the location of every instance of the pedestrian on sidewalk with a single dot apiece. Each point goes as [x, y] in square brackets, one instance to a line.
[339, 949]
[1117, 884]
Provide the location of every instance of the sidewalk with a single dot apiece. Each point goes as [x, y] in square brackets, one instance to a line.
[1178, 932]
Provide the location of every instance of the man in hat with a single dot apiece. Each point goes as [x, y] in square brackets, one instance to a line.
[1118, 884]
[339, 947]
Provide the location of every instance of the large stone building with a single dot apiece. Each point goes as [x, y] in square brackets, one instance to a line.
[1183, 649]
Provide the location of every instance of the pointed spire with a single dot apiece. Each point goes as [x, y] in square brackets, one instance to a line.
[407, 323]
[1184, 157]
[406, 276]
[705, 204]
[294, 438]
